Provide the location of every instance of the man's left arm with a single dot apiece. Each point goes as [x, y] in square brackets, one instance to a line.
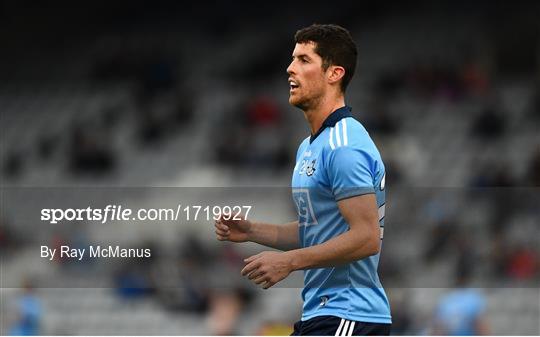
[362, 240]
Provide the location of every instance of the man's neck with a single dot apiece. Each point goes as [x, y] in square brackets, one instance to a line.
[318, 114]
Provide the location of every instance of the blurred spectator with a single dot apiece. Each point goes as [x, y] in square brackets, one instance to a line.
[263, 112]
[402, 312]
[90, 152]
[475, 80]
[28, 312]
[8, 240]
[439, 213]
[522, 263]
[180, 286]
[489, 124]
[46, 147]
[461, 312]
[140, 53]
[489, 178]
[254, 137]
[153, 73]
[394, 172]
[132, 281]
[152, 125]
[493, 174]
[275, 329]
[57, 241]
[157, 75]
[535, 105]
[442, 238]
[228, 298]
[532, 177]
[378, 120]
[225, 307]
[163, 114]
[183, 287]
[467, 256]
[111, 116]
[498, 254]
[231, 149]
[431, 79]
[183, 108]
[228, 293]
[13, 165]
[388, 84]
[266, 149]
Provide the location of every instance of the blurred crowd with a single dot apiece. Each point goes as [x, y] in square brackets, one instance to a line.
[255, 133]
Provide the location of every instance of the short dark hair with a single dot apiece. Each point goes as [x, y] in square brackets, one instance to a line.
[334, 45]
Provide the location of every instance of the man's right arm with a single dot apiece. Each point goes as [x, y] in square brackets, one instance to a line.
[282, 237]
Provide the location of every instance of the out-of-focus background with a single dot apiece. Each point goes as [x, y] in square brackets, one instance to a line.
[139, 94]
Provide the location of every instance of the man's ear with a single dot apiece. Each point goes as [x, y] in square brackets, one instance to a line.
[335, 74]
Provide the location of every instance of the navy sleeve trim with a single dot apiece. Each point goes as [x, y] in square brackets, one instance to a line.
[353, 192]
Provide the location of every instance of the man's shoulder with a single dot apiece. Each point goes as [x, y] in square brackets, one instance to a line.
[304, 143]
[347, 133]
[302, 146]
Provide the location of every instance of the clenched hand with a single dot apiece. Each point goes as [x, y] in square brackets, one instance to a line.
[267, 268]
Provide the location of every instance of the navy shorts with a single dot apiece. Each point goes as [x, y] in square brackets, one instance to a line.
[335, 326]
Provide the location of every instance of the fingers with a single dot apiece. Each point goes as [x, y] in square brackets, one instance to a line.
[256, 274]
[225, 220]
[221, 226]
[268, 284]
[222, 237]
[250, 267]
[253, 258]
[233, 220]
[222, 231]
[261, 279]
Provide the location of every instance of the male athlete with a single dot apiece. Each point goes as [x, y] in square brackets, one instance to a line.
[338, 187]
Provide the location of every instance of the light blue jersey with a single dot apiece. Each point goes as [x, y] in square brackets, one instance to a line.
[339, 162]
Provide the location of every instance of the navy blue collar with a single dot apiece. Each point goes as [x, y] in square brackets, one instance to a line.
[332, 119]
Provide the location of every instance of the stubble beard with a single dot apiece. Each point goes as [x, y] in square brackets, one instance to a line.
[306, 104]
[302, 105]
